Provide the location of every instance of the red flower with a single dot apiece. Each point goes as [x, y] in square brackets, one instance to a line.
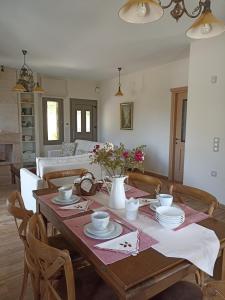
[97, 146]
[138, 155]
[125, 154]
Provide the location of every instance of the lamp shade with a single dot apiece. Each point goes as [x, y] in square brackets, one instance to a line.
[19, 88]
[206, 26]
[141, 12]
[38, 89]
[119, 92]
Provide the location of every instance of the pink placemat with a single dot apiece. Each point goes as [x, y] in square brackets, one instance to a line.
[106, 256]
[61, 212]
[191, 215]
[132, 192]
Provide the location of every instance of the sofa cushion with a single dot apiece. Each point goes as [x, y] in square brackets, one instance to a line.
[68, 149]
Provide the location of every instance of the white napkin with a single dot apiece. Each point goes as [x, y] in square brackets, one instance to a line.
[146, 201]
[79, 206]
[195, 243]
[127, 243]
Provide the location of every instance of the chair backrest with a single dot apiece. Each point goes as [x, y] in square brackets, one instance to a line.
[147, 181]
[179, 190]
[214, 290]
[49, 262]
[17, 209]
[60, 174]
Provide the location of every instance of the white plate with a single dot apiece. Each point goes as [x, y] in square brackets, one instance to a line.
[90, 228]
[157, 204]
[171, 225]
[170, 221]
[170, 211]
[115, 233]
[57, 200]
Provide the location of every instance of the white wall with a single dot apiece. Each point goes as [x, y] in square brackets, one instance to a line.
[150, 91]
[9, 118]
[65, 89]
[206, 117]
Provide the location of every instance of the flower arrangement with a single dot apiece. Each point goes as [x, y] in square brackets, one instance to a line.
[117, 160]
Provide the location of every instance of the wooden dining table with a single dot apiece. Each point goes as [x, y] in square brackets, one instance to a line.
[135, 277]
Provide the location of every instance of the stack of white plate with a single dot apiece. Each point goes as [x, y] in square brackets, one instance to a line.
[170, 217]
[112, 231]
[59, 201]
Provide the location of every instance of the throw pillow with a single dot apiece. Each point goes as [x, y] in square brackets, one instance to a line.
[81, 151]
[68, 149]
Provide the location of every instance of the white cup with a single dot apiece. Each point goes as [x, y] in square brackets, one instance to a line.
[131, 207]
[100, 220]
[165, 199]
[65, 192]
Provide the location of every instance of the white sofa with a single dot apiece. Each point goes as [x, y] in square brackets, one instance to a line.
[30, 181]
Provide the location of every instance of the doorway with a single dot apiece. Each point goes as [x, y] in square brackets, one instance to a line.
[83, 119]
[178, 133]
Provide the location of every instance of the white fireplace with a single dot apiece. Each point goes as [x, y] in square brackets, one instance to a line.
[9, 148]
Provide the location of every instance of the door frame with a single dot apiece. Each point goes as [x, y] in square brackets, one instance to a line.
[173, 116]
[94, 103]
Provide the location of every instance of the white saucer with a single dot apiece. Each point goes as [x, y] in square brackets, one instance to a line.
[155, 205]
[73, 199]
[118, 229]
[109, 229]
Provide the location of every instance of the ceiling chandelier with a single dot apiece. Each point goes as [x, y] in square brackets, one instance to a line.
[119, 92]
[145, 11]
[26, 83]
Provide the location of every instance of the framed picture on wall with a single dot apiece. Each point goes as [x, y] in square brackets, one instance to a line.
[126, 115]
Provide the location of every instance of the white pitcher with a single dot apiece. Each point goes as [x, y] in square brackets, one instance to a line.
[117, 197]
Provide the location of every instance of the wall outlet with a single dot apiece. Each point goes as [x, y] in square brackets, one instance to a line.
[213, 173]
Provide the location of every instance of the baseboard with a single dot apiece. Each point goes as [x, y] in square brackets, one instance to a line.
[156, 175]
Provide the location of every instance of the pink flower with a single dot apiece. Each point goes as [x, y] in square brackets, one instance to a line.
[125, 154]
[138, 155]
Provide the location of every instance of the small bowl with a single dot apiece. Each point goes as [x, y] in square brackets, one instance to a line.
[100, 220]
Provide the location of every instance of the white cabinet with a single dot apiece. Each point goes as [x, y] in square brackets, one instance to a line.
[28, 111]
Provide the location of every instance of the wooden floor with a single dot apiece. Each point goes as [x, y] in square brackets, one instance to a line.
[11, 248]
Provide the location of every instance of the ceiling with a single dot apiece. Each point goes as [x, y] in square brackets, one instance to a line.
[86, 39]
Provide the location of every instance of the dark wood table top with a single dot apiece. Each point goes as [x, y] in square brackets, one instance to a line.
[135, 277]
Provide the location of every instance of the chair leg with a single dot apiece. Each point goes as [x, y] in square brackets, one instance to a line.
[24, 283]
[200, 278]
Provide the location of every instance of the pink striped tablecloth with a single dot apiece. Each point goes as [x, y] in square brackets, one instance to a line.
[132, 192]
[47, 199]
[106, 256]
[191, 215]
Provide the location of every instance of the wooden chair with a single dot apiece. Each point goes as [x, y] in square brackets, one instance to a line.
[214, 290]
[145, 182]
[61, 174]
[179, 191]
[16, 208]
[182, 290]
[21, 216]
[56, 271]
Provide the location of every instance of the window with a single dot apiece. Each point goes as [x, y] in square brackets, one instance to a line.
[52, 121]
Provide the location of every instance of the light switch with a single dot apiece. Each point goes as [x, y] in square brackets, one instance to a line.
[216, 144]
[213, 79]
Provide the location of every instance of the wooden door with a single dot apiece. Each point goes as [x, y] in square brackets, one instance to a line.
[83, 119]
[178, 134]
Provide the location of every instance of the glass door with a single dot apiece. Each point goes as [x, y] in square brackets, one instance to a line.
[83, 114]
